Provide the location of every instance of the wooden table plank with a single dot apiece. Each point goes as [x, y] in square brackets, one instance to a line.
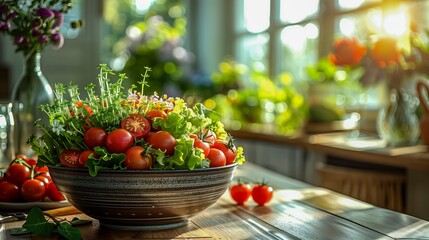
[298, 211]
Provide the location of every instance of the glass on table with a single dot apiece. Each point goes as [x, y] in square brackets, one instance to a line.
[7, 149]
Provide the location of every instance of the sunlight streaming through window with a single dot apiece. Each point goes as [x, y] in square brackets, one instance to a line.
[347, 27]
[350, 4]
[311, 31]
[293, 11]
[396, 22]
[257, 15]
[294, 37]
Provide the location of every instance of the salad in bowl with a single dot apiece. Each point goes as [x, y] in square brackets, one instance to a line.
[127, 130]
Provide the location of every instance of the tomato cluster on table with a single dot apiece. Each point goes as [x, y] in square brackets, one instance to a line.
[24, 181]
[261, 193]
[138, 128]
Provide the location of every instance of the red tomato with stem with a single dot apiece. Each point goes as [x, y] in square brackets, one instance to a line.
[227, 148]
[137, 159]
[33, 190]
[9, 192]
[17, 173]
[217, 158]
[119, 141]
[69, 157]
[262, 193]
[198, 143]
[240, 192]
[95, 137]
[137, 125]
[53, 193]
[164, 141]
[83, 157]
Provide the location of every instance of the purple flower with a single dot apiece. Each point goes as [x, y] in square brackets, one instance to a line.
[59, 19]
[11, 15]
[36, 23]
[43, 39]
[4, 26]
[18, 40]
[35, 32]
[3, 9]
[45, 13]
[57, 40]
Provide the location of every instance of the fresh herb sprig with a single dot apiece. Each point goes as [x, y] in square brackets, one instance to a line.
[44, 224]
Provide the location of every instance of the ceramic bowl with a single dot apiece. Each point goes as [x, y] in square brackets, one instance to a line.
[143, 199]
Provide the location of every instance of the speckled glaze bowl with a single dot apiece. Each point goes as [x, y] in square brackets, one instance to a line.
[143, 199]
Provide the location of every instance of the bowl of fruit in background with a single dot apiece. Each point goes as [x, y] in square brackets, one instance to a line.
[134, 161]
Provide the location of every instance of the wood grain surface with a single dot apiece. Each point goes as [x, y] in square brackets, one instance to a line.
[298, 211]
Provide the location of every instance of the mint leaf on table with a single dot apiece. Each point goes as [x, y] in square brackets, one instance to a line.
[68, 231]
[37, 223]
[44, 224]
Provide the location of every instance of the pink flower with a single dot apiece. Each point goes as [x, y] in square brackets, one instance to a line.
[57, 40]
[4, 26]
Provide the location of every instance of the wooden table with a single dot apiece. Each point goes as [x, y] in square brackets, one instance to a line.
[298, 211]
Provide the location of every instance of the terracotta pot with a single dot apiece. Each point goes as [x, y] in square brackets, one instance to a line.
[423, 89]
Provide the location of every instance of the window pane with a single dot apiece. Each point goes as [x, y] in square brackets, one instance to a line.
[298, 48]
[353, 4]
[256, 15]
[73, 15]
[293, 11]
[361, 25]
[253, 52]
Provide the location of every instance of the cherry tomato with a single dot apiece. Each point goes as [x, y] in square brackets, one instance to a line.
[31, 161]
[119, 141]
[33, 190]
[164, 141]
[95, 137]
[9, 192]
[136, 159]
[53, 193]
[41, 169]
[69, 158]
[43, 178]
[198, 143]
[17, 173]
[262, 194]
[83, 157]
[240, 192]
[137, 125]
[217, 158]
[154, 113]
[228, 149]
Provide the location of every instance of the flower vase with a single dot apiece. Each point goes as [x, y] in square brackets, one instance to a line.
[397, 123]
[31, 91]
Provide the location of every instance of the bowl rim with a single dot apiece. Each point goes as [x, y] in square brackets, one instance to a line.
[151, 171]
